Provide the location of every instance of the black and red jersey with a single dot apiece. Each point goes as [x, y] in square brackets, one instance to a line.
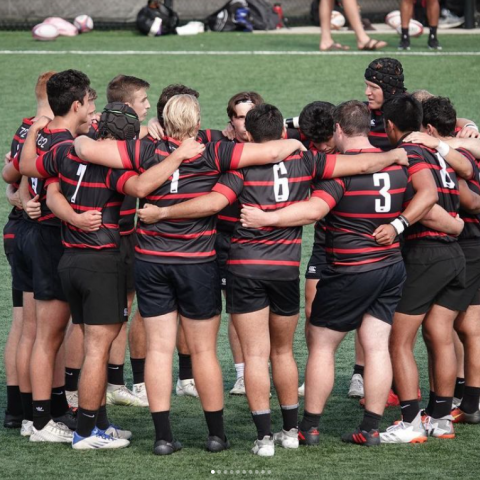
[207, 136]
[272, 252]
[228, 218]
[358, 205]
[377, 135]
[86, 187]
[419, 158]
[127, 215]
[46, 139]
[471, 230]
[181, 240]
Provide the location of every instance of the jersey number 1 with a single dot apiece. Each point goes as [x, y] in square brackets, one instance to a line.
[80, 172]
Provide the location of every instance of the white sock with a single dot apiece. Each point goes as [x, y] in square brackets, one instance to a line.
[240, 368]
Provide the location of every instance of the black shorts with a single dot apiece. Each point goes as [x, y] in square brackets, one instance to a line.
[193, 290]
[222, 247]
[38, 249]
[17, 295]
[435, 275]
[94, 284]
[476, 298]
[343, 299]
[317, 263]
[127, 253]
[471, 250]
[246, 295]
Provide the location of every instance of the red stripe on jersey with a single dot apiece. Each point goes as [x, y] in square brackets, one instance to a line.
[85, 209]
[16, 163]
[377, 134]
[273, 207]
[227, 192]
[39, 166]
[128, 212]
[122, 149]
[149, 233]
[9, 235]
[175, 254]
[373, 192]
[363, 262]
[270, 183]
[173, 196]
[217, 160]
[209, 135]
[84, 184]
[227, 219]
[137, 153]
[84, 245]
[263, 262]
[448, 191]
[367, 215]
[128, 232]
[330, 162]
[326, 197]
[236, 155]
[296, 241]
[362, 250]
[466, 220]
[46, 217]
[123, 180]
[417, 168]
[426, 234]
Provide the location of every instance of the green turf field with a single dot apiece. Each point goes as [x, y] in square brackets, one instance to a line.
[288, 80]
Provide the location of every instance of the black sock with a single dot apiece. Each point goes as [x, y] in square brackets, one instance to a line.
[59, 402]
[431, 403]
[27, 405]
[215, 424]
[71, 379]
[41, 413]
[433, 32]
[358, 369]
[115, 374]
[102, 418]
[86, 420]
[371, 421]
[138, 370]
[410, 409]
[263, 423]
[405, 35]
[471, 397]
[184, 367]
[309, 420]
[441, 407]
[290, 416]
[459, 388]
[161, 421]
[14, 400]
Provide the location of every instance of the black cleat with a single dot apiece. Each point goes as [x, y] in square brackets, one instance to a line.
[404, 43]
[433, 43]
[216, 444]
[162, 447]
[310, 438]
[12, 421]
[361, 437]
[69, 418]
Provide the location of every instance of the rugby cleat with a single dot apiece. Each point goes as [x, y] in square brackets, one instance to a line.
[27, 428]
[117, 432]
[186, 388]
[356, 386]
[362, 437]
[162, 447]
[309, 438]
[239, 387]
[12, 421]
[287, 439]
[404, 44]
[121, 395]
[440, 427]
[462, 417]
[97, 440]
[54, 432]
[264, 447]
[72, 398]
[216, 444]
[140, 391]
[404, 432]
[301, 390]
[69, 418]
[433, 43]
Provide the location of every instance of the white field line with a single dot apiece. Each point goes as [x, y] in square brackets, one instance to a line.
[231, 53]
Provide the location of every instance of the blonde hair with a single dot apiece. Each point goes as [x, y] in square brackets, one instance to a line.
[182, 117]
[422, 95]
[41, 86]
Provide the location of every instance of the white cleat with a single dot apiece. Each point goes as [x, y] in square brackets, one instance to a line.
[356, 386]
[440, 427]
[186, 388]
[72, 398]
[404, 432]
[53, 432]
[140, 391]
[121, 395]
[301, 390]
[27, 428]
[239, 387]
[98, 440]
[117, 432]
[286, 439]
[264, 447]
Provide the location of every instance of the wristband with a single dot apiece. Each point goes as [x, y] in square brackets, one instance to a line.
[398, 226]
[471, 125]
[443, 148]
[404, 221]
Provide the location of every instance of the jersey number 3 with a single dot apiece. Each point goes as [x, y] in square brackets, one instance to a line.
[383, 205]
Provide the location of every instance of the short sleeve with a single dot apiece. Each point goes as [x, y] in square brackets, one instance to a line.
[330, 191]
[115, 179]
[230, 185]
